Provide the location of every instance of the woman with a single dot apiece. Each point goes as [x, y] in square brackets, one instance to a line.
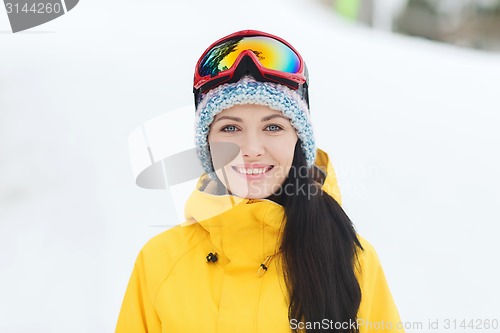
[266, 246]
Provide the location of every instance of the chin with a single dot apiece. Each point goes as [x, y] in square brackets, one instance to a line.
[250, 189]
[257, 196]
[259, 192]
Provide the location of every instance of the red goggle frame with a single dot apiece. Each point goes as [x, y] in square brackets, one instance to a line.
[266, 57]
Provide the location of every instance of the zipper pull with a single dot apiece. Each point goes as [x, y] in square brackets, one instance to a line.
[263, 267]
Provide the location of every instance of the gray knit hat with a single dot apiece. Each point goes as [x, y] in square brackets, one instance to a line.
[249, 91]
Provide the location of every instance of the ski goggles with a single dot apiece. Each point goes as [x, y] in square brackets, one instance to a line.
[266, 57]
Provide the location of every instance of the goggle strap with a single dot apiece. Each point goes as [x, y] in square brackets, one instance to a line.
[303, 91]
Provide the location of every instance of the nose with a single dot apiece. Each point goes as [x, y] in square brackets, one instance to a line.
[252, 146]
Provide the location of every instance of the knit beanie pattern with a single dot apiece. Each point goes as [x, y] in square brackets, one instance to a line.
[249, 91]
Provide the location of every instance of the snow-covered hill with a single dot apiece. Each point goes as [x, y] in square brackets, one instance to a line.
[411, 126]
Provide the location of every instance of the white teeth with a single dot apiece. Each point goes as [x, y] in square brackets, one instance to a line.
[252, 171]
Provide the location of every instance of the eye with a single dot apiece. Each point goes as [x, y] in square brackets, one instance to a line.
[228, 128]
[274, 128]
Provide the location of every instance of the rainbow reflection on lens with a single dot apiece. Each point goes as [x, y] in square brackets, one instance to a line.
[272, 54]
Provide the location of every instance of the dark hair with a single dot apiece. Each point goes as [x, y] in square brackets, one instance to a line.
[319, 251]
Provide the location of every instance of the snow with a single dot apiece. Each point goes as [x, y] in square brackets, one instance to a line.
[411, 127]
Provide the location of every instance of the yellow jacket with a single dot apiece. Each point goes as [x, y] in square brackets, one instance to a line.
[173, 289]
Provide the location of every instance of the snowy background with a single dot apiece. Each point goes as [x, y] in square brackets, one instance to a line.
[411, 127]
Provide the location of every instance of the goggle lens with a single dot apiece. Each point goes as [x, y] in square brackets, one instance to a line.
[272, 54]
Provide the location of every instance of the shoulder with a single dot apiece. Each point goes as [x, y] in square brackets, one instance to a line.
[173, 243]
[367, 258]
[377, 304]
[368, 249]
[161, 253]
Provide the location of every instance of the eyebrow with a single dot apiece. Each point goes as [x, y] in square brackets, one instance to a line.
[266, 118]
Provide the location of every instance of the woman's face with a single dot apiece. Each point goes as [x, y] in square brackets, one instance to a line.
[267, 142]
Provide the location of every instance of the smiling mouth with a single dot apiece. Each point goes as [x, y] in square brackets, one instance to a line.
[252, 171]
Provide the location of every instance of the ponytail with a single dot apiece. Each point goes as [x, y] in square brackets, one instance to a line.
[319, 246]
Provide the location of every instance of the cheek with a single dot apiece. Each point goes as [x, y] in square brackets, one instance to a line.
[283, 150]
[211, 136]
